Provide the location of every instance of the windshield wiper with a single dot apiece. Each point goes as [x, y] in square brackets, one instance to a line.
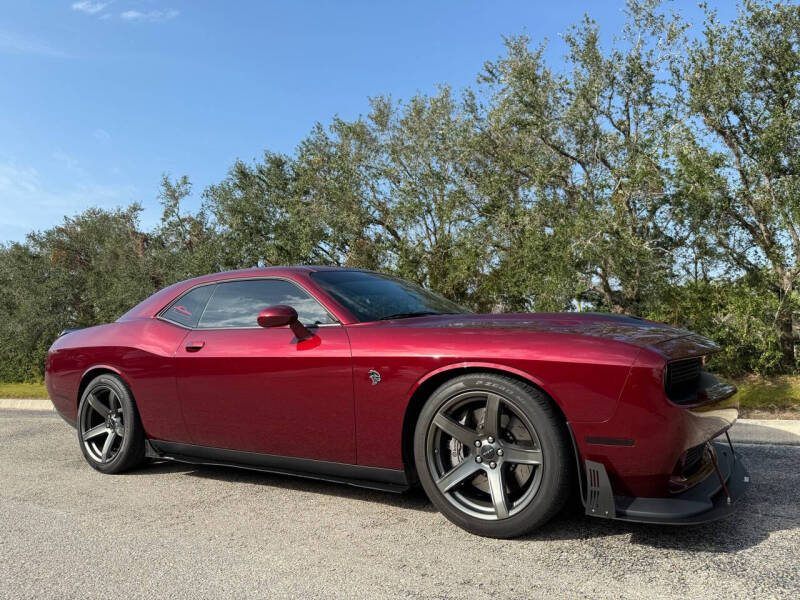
[405, 315]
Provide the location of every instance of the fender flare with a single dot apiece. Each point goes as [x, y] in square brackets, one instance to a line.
[104, 368]
[482, 365]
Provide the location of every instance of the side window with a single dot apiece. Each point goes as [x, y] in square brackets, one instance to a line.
[237, 303]
[187, 309]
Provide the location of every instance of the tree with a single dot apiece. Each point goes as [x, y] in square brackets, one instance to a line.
[88, 270]
[648, 175]
[184, 245]
[427, 211]
[740, 176]
[386, 191]
[587, 152]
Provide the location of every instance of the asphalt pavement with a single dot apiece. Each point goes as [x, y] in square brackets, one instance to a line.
[173, 531]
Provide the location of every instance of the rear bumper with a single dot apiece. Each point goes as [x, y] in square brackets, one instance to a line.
[713, 498]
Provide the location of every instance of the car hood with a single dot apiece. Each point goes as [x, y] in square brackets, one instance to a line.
[671, 342]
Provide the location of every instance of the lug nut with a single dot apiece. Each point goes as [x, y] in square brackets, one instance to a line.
[499, 452]
[492, 464]
[477, 443]
[478, 459]
[490, 439]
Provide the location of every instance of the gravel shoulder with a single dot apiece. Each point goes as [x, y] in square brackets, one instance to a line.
[172, 531]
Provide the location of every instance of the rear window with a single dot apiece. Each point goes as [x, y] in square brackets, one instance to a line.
[187, 309]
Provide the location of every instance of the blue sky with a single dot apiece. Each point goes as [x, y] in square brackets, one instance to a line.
[101, 97]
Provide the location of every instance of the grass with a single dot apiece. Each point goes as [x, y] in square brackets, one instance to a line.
[23, 390]
[780, 393]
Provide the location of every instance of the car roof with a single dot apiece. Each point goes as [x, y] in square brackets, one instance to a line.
[293, 268]
[259, 272]
[152, 304]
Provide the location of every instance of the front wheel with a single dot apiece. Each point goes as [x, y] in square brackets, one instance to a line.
[109, 430]
[493, 455]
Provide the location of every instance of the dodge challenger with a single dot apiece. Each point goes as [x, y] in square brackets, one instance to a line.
[361, 378]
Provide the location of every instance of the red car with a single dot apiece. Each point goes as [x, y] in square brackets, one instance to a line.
[361, 378]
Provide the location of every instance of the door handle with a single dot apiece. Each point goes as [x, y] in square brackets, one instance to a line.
[194, 345]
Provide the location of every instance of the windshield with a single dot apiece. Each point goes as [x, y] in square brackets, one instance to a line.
[373, 296]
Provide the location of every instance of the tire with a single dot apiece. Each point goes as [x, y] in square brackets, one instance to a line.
[502, 477]
[110, 433]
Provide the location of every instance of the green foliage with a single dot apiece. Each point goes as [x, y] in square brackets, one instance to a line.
[655, 175]
[740, 174]
[737, 315]
[86, 271]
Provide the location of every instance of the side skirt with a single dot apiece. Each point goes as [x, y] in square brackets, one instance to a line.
[376, 478]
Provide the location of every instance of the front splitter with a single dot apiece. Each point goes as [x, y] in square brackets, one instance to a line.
[711, 499]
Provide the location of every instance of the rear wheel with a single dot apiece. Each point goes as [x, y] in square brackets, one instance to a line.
[109, 430]
[493, 455]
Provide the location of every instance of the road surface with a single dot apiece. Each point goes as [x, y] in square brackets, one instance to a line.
[171, 531]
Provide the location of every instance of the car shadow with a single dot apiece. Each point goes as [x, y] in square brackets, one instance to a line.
[768, 506]
[744, 529]
[414, 498]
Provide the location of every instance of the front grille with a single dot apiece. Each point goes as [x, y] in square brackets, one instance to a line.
[682, 380]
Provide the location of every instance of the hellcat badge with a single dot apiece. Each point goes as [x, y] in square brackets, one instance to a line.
[374, 376]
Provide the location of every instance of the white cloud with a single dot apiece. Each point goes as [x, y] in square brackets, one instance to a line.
[152, 16]
[68, 161]
[27, 203]
[101, 134]
[12, 43]
[90, 8]
[16, 180]
[98, 8]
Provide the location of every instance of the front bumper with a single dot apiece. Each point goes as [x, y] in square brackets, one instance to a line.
[711, 499]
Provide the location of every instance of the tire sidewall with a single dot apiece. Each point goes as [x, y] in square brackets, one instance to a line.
[130, 422]
[536, 406]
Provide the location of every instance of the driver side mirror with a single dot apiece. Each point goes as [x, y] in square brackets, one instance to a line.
[280, 315]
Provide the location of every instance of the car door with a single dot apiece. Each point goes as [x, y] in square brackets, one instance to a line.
[256, 389]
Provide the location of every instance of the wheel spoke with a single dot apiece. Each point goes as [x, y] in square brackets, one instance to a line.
[450, 427]
[456, 475]
[107, 446]
[498, 491]
[111, 397]
[95, 431]
[491, 421]
[522, 456]
[96, 404]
